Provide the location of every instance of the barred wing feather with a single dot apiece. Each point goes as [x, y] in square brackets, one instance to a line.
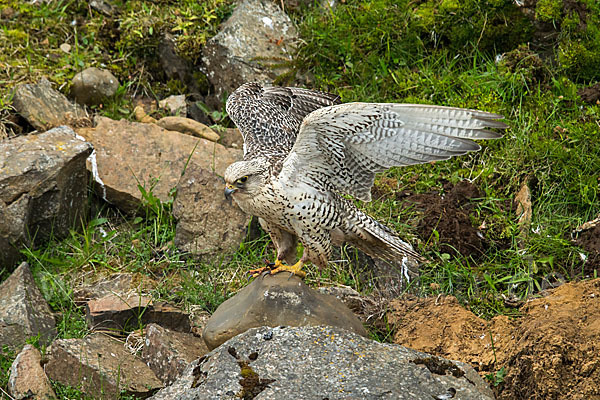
[341, 147]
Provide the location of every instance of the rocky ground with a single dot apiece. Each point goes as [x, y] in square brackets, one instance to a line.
[277, 337]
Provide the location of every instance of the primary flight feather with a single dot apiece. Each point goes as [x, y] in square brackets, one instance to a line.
[303, 150]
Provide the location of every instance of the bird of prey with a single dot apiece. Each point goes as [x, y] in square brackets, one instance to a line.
[303, 151]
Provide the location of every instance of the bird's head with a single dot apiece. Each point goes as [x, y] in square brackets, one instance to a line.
[245, 179]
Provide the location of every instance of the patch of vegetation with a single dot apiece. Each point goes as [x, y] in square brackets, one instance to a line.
[550, 143]
[58, 39]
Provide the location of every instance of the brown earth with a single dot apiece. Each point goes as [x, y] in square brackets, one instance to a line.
[589, 240]
[551, 352]
[449, 216]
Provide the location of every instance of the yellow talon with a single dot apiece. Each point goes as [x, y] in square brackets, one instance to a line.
[295, 269]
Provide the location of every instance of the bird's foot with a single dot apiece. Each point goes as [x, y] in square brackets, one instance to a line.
[277, 267]
[295, 269]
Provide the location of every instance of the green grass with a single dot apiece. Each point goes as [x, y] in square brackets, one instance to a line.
[376, 50]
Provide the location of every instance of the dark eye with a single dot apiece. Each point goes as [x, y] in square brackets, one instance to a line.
[243, 179]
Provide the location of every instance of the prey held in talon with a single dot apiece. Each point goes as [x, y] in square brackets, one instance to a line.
[303, 151]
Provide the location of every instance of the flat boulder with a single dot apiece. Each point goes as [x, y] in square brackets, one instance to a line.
[207, 225]
[277, 300]
[23, 311]
[257, 33]
[127, 311]
[101, 367]
[45, 108]
[318, 362]
[128, 154]
[43, 188]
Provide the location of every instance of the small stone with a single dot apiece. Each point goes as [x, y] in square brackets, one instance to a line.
[23, 310]
[45, 108]
[175, 104]
[93, 86]
[103, 6]
[168, 353]
[101, 367]
[189, 127]
[65, 47]
[275, 300]
[128, 311]
[141, 116]
[27, 377]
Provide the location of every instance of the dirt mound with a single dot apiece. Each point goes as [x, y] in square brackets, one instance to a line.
[551, 352]
[590, 94]
[449, 216]
[589, 240]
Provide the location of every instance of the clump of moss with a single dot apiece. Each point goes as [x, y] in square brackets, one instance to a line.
[549, 10]
[526, 63]
[571, 27]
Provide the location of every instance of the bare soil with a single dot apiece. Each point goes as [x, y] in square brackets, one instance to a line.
[551, 352]
[449, 216]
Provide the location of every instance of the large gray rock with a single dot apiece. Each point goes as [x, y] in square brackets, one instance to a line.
[93, 86]
[27, 377]
[277, 300]
[318, 363]
[206, 223]
[43, 188]
[23, 310]
[129, 153]
[257, 33]
[168, 353]
[101, 367]
[45, 108]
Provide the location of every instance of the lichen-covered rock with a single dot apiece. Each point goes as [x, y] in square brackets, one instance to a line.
[276, 300]
[257, 33]
[45, 108]
[128, 154]
[27, 378]
[207, 224]
[93, 86]
[321, 362]
[101, 367]
[23, 310]
[43, 188]
[168, 352]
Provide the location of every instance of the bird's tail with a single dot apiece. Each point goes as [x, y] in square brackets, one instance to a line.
[374, 238]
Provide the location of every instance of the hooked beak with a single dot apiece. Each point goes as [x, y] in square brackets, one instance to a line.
[229, 189]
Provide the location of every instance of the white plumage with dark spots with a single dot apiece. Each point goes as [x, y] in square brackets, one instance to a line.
[303, 150]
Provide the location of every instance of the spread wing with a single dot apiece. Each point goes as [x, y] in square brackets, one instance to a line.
[340, 148]
[269, 117]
